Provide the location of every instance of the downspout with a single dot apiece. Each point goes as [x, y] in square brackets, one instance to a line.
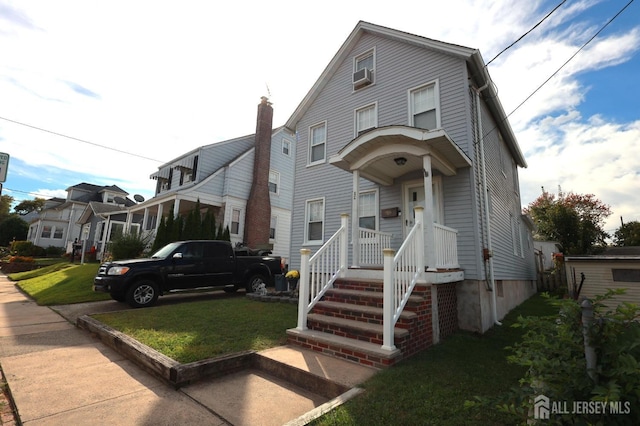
[485, 201]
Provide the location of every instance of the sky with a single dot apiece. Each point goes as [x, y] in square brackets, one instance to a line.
[106, 92]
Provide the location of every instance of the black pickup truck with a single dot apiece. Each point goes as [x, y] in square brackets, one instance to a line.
[185, 265]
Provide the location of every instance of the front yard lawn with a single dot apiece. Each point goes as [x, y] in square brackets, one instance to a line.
[194, 331]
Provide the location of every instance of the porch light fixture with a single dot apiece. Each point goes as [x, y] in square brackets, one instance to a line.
[400, 161]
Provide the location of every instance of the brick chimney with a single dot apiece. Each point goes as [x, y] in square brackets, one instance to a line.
[258, 217]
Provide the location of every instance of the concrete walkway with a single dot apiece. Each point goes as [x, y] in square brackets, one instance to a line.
[60, 375]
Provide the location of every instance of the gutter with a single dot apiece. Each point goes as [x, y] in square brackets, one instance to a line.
[485, 204]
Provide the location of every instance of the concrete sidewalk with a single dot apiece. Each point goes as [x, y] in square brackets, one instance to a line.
[59, 374]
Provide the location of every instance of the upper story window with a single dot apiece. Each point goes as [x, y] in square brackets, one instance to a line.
[363, 69]
[274, 182]
[424, 107]
[318, 143]
[286, 147]
[366, 119]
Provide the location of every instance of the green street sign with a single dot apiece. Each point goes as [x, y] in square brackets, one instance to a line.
[4, 165]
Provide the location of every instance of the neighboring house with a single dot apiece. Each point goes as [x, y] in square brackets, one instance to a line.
[398, 121]
[59, 222]
[545, 251]
[224, 177]
[616, 267]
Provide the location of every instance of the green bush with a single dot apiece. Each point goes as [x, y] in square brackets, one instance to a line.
[127, 246]
[54, 251]
[26, 248]
[553, 350]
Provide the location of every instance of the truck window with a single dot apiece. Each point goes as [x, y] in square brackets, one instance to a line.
[192, 251]
[217, 251]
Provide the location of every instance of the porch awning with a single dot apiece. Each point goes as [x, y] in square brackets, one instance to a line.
[185, 163]
[374, 153]
[161, 174]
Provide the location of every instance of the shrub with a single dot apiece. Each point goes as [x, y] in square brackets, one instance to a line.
[54, 251]
[127, 246]
[553, 349]
[21, 259]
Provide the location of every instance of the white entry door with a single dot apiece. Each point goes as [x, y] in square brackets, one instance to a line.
[414, 196]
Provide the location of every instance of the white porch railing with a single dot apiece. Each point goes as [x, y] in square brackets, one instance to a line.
[446, 241]
[372, 243]
[400, 275]
[318, 273]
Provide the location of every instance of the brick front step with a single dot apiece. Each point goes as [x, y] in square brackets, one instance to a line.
[341, 347]
[367, 314]
[357, 330]
[362, 297]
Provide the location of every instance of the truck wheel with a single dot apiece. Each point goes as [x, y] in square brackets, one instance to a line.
[142, 293]
[254, 282]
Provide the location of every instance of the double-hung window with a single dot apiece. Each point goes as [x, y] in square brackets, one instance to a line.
[274, 182]
[363, 69]
[286, 147]
[317, 143]
[235, 222]
[367, 210]
[423, 107]
[272, 227]
[366, 119]
[314, 229]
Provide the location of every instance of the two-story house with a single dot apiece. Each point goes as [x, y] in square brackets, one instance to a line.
[406, 185]
[59, 223]
[246, 182]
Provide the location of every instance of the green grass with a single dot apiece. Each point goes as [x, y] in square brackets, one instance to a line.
[60, 284]
[432, 387]
[195, 331]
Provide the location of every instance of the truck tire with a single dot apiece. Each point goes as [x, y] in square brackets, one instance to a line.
[142, 293]
[254, 282]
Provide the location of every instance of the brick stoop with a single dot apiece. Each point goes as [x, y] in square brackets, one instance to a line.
[347, 323]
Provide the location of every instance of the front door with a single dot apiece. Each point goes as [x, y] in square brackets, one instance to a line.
[414, 196]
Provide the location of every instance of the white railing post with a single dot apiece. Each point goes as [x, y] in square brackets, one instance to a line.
[303, 289]
[344, 243]
[420, 253]
[388, 307]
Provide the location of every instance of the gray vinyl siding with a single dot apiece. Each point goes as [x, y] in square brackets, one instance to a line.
[216, 155]
[285, 166]
[336, 105]
[506, 208]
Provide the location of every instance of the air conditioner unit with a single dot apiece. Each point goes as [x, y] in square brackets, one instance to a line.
[362, 77]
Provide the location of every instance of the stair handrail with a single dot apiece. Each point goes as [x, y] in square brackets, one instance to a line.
[319, 272]
[401, 272]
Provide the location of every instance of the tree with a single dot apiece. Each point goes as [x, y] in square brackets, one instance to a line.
[627, 235]
[5, 206]
[13, 228]
[574, 220]
[28, 206]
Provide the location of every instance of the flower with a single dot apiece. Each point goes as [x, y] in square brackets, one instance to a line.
[292, 274]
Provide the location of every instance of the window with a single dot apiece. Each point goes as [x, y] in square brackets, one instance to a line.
[315, 220]
[235, 221]
[272, 227]
[46, 232]
[423, 106]
[57, 232]
[366, 119]
[364, 61]
[317, 143]
[286, 147]
[368, 208]
[274, 182]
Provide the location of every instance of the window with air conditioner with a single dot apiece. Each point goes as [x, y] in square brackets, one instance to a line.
[424, 107]
[366, 118]
[363, 69]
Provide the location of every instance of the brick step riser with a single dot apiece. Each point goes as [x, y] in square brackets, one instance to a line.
[368, 318]
[363, 336]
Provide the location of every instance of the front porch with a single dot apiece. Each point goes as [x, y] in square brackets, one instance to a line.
[377, 313]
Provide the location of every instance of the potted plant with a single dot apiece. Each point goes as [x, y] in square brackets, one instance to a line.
[292, 278]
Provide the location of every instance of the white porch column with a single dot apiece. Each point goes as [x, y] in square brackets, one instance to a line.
[303, 289]
[145, 219]
[127, 225]
[429, 232]
[159, 216]
[355, 218]
[176, 207]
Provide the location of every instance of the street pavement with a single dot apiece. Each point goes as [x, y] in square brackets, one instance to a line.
[59, 374]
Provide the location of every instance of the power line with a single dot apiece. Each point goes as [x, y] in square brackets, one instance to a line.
[80, 140]
[570, 58]
[527, 33]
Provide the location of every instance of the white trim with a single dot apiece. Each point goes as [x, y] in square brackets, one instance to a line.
[307, 241]
[373, 105]
[436, 93]
[310, 146]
